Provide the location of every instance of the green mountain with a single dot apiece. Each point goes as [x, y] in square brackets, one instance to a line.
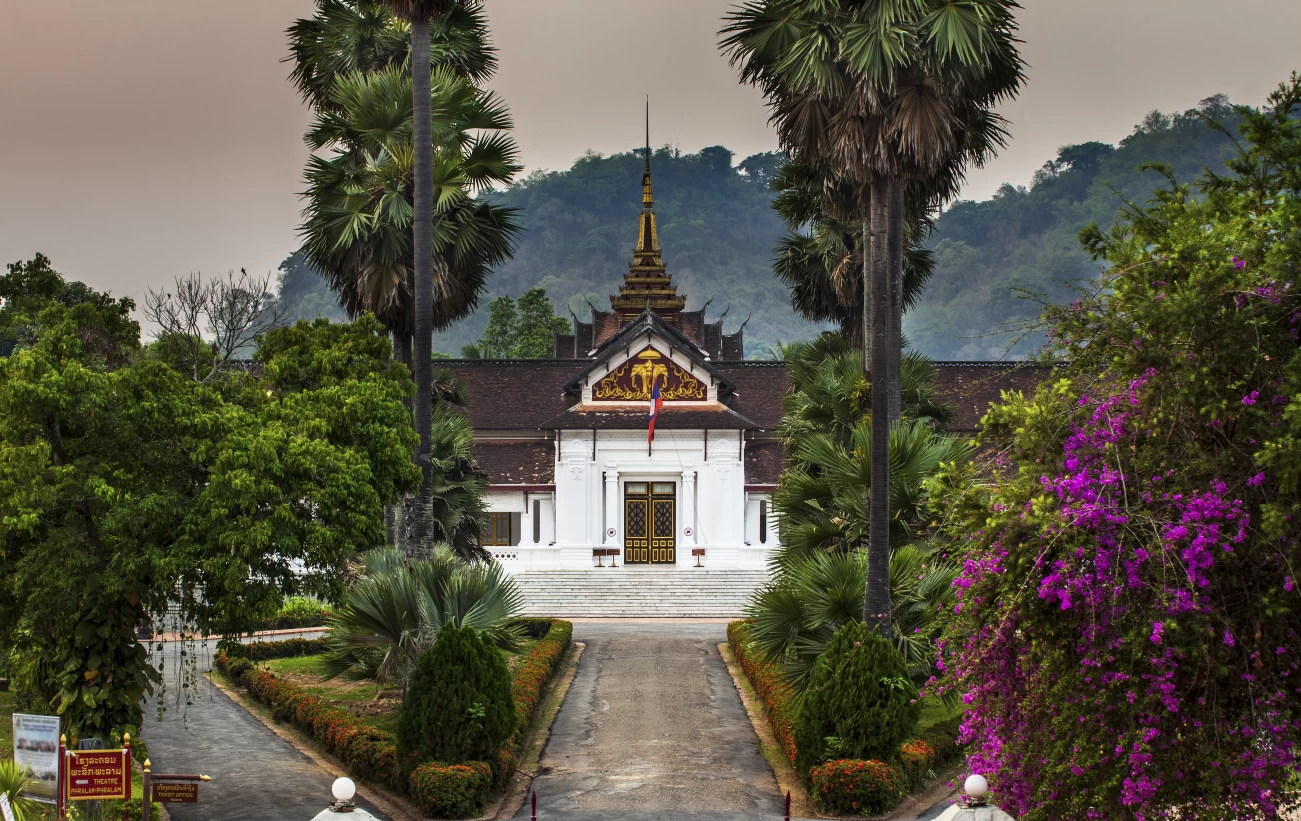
[718, 232]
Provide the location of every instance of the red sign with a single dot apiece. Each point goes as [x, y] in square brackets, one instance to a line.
[166, 792]
[98, 774]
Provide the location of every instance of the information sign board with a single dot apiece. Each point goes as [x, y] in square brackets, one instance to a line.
[36, 747]
[6, 811]
[172, 792]
[98, 775]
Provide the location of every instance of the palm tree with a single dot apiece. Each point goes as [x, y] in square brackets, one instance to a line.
[796, 615]
[394, 612]
[820, 501]
[895, 97]
[348, 36]
[357, 227]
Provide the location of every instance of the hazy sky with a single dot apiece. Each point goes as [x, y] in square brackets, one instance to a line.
[141, 139]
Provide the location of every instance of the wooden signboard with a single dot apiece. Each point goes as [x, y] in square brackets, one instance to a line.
[166, 792]
[99, 775]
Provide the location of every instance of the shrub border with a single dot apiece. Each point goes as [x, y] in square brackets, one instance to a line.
[371, 754]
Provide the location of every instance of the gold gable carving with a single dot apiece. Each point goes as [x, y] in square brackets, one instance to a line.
[632, 381]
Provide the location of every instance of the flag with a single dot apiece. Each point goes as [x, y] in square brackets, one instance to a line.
[656, 403]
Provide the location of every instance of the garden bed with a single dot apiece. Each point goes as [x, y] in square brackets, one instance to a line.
[851, 787]
[351, 724]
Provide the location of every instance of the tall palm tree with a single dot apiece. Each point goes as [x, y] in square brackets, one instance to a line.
[895, 96]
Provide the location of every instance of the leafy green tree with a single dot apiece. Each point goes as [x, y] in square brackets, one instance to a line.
[1130, 571]
[393, 612]
[458, 706]
[27, 288]
[859, 704]
[523, 330]
[498, 340]
[537, 326]
[127, 493]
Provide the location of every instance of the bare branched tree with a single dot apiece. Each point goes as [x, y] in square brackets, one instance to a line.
[204, 324]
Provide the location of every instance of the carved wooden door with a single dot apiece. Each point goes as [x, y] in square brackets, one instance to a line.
[649, 519]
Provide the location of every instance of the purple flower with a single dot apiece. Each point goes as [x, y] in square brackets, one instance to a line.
[1250, 399]
[1228, 638]
[1239, 263]
[1257, 480]
[1158, 630]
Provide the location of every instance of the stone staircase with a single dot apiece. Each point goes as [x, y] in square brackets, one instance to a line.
[638, 592]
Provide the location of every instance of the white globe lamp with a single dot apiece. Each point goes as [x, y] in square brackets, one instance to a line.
[976, 788]
[343, 789]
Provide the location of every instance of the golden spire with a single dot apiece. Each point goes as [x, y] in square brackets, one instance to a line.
[647, 284]
[647, 199]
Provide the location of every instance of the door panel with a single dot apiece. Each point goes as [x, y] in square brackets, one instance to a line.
[650, 519]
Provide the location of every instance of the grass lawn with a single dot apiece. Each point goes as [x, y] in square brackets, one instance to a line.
[358, 698]
[933, 712]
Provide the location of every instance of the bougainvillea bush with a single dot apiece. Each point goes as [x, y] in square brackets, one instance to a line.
[1127, 637]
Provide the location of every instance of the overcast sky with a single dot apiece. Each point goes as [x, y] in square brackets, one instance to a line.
[141, 139]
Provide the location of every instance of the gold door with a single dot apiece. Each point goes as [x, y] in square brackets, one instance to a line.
[649, 518]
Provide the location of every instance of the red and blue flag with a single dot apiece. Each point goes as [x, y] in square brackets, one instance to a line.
[656, 403]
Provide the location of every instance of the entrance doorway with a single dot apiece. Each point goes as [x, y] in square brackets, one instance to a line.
[650, 523]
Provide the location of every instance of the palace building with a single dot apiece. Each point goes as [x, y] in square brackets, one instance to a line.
[576, 482]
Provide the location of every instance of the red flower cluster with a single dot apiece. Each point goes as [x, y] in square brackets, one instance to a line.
[770, 684]
[533, 674]
[450, 790]
[857, 787]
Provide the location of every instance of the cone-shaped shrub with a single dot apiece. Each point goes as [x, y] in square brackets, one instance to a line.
[860, 703]
[458, 705]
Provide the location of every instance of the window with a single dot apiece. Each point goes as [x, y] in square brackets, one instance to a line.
[763, 521]
[496, 531]
[537, 521]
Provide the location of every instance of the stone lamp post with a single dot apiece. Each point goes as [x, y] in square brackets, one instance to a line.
[343, 790]
[975, 809]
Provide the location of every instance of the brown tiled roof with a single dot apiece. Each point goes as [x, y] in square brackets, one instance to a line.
[517, 463]
[763, 461]
[634, 418]
[759, 389]
[513, 394]
[971, 387]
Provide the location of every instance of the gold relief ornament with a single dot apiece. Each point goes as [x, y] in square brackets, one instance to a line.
[632, 381]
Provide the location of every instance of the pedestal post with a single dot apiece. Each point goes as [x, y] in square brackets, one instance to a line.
[611, 507]
[688, 529]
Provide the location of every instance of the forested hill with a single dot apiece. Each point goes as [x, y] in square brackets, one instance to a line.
[717, 232]
[1025, 238]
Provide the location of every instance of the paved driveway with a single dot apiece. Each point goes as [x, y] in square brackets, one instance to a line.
[652, 723]
[256, 775]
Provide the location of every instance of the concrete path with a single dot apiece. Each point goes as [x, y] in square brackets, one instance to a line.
[653, 723]
[256, 775]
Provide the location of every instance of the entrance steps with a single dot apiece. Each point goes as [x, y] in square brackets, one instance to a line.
[638, 592]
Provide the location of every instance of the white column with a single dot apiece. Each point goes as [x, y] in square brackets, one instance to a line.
[611, 507]
[526, 524]
[689, 531]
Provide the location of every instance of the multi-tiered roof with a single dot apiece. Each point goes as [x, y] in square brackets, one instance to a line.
[649, 287]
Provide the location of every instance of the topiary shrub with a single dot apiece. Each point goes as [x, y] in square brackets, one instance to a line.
[860, 702]
[458, 705]
[857, 787]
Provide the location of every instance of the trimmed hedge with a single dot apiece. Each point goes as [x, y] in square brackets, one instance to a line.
[845, 786]
[850, 787]
[451, 790]
[266, 650]
[779, 699]
[371, 754]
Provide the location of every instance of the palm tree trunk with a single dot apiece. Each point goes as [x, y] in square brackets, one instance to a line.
[876, 601]
[423, 243]
[895, 342]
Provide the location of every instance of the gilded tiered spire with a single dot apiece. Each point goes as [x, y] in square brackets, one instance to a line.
[647, 284]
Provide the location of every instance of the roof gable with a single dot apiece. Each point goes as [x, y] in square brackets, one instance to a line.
[649, 332]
